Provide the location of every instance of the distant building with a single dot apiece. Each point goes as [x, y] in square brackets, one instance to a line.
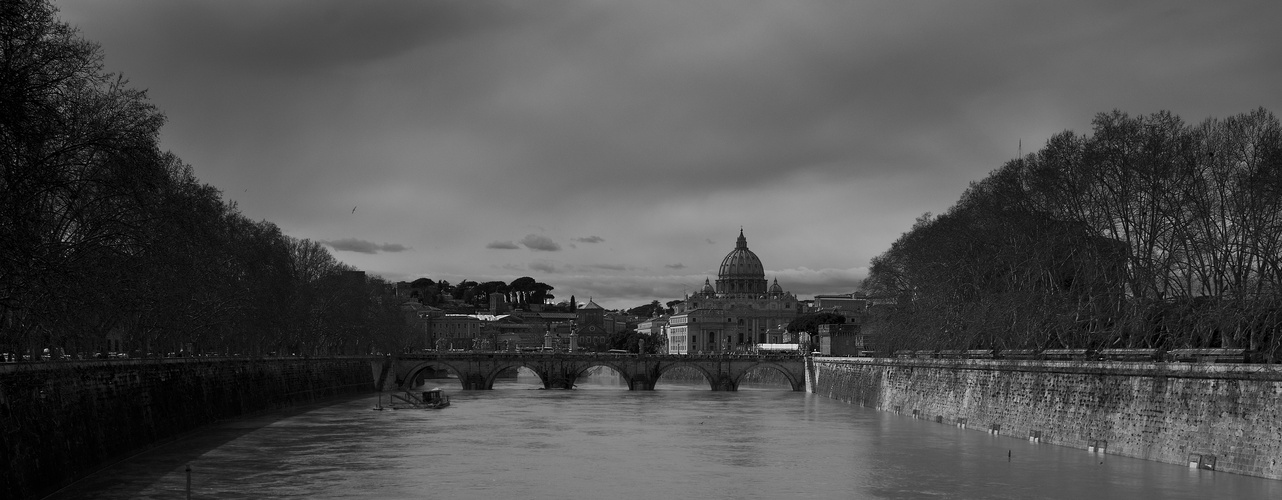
[844, 340]
[657, 326]
[477, 331]
[498, 303]
[593, 330]
[616, 322]
[852, 306]
[737, 313]
[844, 302]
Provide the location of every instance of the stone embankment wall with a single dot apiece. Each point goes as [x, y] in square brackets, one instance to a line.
[1225, 416]
[60, 421]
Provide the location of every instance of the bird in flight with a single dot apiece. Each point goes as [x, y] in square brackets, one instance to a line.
[353, 209]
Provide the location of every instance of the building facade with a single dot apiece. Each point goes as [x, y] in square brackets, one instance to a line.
[844, 340]
[737, 313]
[593, 328]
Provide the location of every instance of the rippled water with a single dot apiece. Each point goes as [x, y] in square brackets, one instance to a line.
[602, 441]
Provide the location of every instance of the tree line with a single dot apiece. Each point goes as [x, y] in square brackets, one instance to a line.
[521, 292]
[106, 238]
[1147, 233]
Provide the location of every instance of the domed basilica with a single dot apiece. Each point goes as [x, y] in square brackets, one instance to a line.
[736, 313]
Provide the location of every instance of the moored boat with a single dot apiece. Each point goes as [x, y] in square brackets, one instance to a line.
[432, 399]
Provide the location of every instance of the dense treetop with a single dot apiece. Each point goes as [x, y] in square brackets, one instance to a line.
[1149, 232]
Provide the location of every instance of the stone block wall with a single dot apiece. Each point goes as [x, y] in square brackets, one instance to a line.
[1167, 412]
[60, 421]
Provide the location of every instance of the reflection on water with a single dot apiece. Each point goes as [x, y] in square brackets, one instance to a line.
[603, 441]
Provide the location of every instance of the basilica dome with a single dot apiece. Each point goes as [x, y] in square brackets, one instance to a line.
[741, 270]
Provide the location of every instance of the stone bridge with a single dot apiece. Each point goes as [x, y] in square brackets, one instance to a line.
[560, 370]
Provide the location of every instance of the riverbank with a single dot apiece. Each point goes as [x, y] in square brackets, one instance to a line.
[1224, 417]
[64, 420]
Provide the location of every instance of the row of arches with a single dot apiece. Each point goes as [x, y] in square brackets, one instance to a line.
[766, 375]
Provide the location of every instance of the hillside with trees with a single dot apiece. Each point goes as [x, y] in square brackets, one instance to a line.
[1147, 233]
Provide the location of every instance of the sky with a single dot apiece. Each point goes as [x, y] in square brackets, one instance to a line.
[615, 149]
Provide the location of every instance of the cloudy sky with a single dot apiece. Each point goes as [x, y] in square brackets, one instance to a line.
[614, 149]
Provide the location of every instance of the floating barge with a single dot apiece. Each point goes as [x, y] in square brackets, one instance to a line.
[433, 399]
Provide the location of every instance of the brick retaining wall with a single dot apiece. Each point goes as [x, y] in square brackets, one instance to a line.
[1167, 412]
[60, 421]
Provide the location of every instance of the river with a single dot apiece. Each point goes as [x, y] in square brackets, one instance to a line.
[603, 441]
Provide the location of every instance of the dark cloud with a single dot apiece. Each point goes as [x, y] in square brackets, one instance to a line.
[830, 125]
[805, 281]
[362, 246]
[287, 37]
[502, 245]
[540, 243]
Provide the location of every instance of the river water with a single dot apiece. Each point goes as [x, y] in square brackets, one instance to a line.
[603, 441]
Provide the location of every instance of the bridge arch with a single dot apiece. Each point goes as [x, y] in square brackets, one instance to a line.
[492, 374]
[406, 379]
[796, 381]
[708, 376]
[725, 374]
[553, 373]
[582, 369]
[633, 374]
